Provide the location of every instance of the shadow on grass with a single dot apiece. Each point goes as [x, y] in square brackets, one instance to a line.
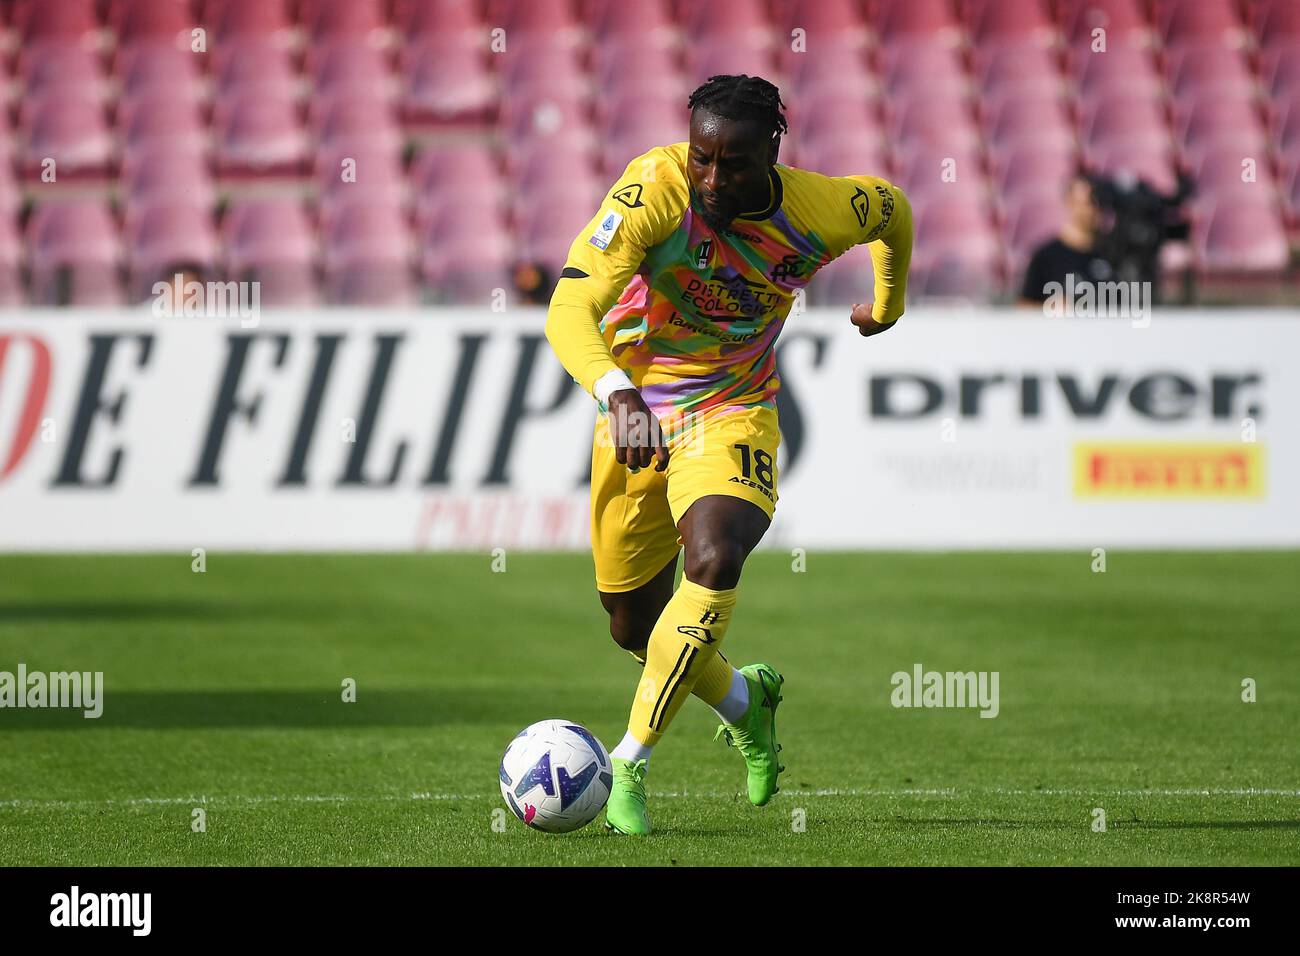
[172, 609]
[420, 707]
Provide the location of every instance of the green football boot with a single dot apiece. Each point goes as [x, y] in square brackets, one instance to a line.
[755, 735]
[625, 812]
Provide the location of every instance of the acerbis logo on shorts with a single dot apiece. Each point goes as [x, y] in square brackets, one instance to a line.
[750, 483]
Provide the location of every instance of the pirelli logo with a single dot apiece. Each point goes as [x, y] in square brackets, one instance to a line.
[1168, 470]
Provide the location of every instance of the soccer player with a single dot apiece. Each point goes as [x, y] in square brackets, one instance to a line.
[667, 311]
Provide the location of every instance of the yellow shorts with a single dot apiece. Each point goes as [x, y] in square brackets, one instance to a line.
[634, 516]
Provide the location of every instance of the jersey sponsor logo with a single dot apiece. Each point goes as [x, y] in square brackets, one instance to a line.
[747, 236]
[729, 338]
[793, 266]
[604, 233]
[702, 256]
[728, 298]
[629, 196]
[861, 204]
[886, 211]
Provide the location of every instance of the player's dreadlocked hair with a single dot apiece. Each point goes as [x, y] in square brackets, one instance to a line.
[742, 97]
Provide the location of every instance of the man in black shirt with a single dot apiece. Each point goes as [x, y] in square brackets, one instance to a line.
[1071, 252]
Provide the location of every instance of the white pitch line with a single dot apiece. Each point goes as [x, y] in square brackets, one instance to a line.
[949, 793]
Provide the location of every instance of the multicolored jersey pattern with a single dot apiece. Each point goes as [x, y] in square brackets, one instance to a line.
[693, 314]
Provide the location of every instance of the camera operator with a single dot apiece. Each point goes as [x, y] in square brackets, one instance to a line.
[1074, 251]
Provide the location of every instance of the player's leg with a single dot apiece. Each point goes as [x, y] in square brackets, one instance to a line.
[632, 616]
[719, 532]
[634, 545]
[722, 490]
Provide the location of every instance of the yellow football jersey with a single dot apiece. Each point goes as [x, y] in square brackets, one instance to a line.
[692, 314]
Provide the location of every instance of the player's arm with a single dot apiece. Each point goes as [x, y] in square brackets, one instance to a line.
[888, 235]
[602, 260]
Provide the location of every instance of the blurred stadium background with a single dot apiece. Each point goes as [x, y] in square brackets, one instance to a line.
[221, 151]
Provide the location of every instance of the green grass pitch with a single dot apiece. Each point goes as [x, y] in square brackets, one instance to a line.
[1119, 690]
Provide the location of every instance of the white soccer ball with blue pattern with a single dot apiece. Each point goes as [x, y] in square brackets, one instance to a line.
[556, 776]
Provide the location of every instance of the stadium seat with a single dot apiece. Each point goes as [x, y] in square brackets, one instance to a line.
[154, 174]
[151, 20]
[367, 256]
[272, 242]
[346, 67]
[446, 84]
[932, 20]
[1022, 22]
[71, 132]
[242, 20]
[1181, 22]
[258, 135]
[1242, 238]
[329, 19]
[40, 20]
[75, 254]
[164, 233]
[1121, 20]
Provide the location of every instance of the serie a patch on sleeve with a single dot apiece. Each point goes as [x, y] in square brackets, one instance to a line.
[604, 233]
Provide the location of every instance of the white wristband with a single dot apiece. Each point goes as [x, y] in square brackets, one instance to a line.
[611, 381]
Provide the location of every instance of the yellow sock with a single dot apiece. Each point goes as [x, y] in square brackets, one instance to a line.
[714, 682]
[683, 644]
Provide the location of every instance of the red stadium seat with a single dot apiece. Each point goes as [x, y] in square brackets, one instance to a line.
[1149, 160]
[828, 21]
[367, 256]
[75, 254]
[348, 122]
[1028, 116]
[1121, 20]
[1208, 68]
[1193, 21]
[348, 67]
[163, 122]
[71, 132]
[11, 263]
[728, 55]
[446, 84]
[1242, 238]
[1018, 68]
[441, 18]
[156, 174]
[324, 19]
[1277, 23]
[151, 20]
[62, 68]
[1030, 166]
[243, 20]
[272, 242]
[167, 232]
[469, 269]
[148, 68]
[38, 20]
[1024, 22]
[258, 136]
[931, 20]
[845, 280]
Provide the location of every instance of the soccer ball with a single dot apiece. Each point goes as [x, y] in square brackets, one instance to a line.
[556, 776]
